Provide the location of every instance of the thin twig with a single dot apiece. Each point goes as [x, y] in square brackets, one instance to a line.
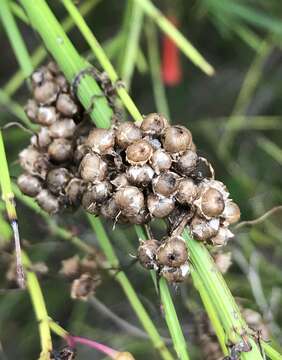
[260, 219]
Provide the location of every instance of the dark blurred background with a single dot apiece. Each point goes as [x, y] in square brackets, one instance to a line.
[236, 120]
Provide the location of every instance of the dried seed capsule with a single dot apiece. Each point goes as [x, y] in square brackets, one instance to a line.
[127, 133]
[231, 212]
[84, 287]
[42, 139]
[101, 141]
[120, 181]
[130, 200]
[203, 229]
[166, 183]
[110, 209]
[79, 153]
[142, 218]
[160, 161]
[160, 206]
[187, 192]
[33, 162]
[172, 253]
[175, 275]
[46, 93]
[89, 204]
[212, 203]
[187, 162]
[48, 202]
[46, 115]
[203, 170]
[53, 68]
[74, 191]
[60, 150]
[64, 128]
[40, 76]
[57, 180]
[139, 152]
[154, 124]
[62, 82]
[93, 168]
[101, 191]
[222, 237]
[140, 175]
[29, 185]
[31, 110]
[177, 139]
[66, 105]
[155, 143]
[223, 261]
[146, 253]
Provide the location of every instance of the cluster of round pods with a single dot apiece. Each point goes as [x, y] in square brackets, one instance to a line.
[132, 173]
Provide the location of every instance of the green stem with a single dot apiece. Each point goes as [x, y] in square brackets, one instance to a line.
[167, 27]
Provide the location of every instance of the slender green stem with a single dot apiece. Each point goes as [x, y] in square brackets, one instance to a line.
[184, 45]
[40, 310]
[102, 58]
[270, 352]
[155, 66]
[15, 38]
[127, 287]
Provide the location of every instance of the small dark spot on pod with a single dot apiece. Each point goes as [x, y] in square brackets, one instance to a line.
[172, 252]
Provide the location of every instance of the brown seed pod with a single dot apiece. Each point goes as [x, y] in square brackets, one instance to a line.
[42, 139]
[70, 267]
[46, 115]
[177, 139]
[175, 275]
[74, 191]
[140, 175]
[84, 287]
[101, 141]
[79, 153]
[211, 203]
[48, 202]
[160, 161]
[223, 261]
[66, 105]
[172, 253]
[203, 229]
[139, 219]
[29, 185]
[53, 68]
[62, 82]
[34, 162]
[166, 183]
[146, 253]
[154, 124]
[46, 93]
[31, 110]
[160, 206]
[130, 200]
[40, 76]
[64, 128]
[139, 152]
[221, 238]
[127, 133]
[57, 180]
[187, 162]
[101, 191]
[187, 192]
[155, 143]
[60, 150]
[120, 181]
[231, 212]
[93, 168]
[89, 204]
[110, 209]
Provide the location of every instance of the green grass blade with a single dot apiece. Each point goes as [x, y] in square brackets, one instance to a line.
[271, 149]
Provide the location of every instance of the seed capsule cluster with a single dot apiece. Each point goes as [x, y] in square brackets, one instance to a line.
[131, 173]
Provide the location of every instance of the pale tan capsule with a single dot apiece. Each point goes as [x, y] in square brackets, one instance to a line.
[74, 191]
[101, 141]
[101, 191]
[160, 161]
[63, 128]
[85, 286]
[46, 93]
[212, 203]
[127, 133]
[48, 202]
[187, 192]
[31, 110]
[60, 150]
[62, 82]
[160, 206]
[130, 200]
[57, 180]
[172, 252]
[29, 185]
[154, 124]
[203, 229]
[175, 274]
[177, 139]
[40, 76]
[93, 168]
[89, 204]
[166, 183]
[120, 181]
[187, 162]
[222, 237]
[140, 175]
[66, 105]
[34, 162]
[146, 253]
[139, 152]
[42, 139]
[46, 115]
[231, 212]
